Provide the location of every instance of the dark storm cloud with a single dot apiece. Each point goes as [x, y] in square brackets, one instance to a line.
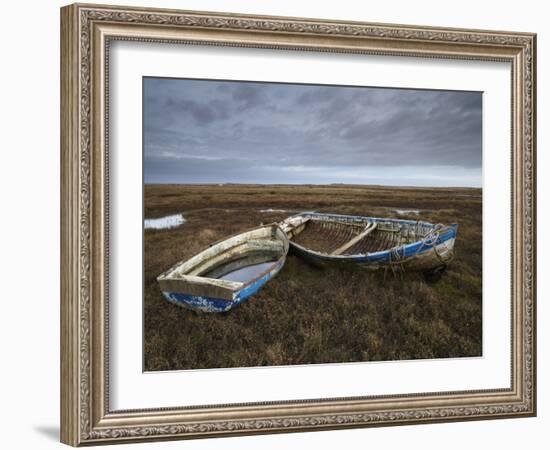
[213, 131]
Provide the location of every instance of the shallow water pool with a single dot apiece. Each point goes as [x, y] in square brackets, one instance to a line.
[172, 221]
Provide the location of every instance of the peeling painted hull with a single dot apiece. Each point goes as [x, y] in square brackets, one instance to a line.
[217, 305]
[413, 245]
[201, 283]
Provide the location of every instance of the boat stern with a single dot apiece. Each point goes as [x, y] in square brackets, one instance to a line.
[444, 248]
[454, 227]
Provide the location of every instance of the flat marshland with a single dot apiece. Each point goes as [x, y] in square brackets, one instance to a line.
[307, 315]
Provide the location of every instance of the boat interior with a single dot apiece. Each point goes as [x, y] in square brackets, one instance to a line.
[240, 258]
[333, 236]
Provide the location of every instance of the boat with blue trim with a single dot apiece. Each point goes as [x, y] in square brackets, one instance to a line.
[228, 272]
[371, 242]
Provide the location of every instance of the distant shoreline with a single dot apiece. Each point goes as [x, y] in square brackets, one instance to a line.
[332, 185]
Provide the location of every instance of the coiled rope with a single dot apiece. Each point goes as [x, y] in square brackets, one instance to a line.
[397, 257]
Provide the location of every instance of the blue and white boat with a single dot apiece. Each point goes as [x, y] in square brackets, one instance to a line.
[370, 242]
[228, 272]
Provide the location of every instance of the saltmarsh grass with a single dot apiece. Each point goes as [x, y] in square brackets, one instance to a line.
[306, 315]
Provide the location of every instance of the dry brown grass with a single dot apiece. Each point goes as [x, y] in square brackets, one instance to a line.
[306, 315]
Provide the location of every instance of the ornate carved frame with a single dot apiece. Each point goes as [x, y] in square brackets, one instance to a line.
[86, 31]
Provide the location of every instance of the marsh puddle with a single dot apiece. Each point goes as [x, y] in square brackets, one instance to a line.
[404, 212]
[270, 210]
[172, 221]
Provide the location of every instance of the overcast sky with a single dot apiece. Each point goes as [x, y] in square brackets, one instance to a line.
[199, 131]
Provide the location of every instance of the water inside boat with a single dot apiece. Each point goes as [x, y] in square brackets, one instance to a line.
[243, 268]
[247, 273]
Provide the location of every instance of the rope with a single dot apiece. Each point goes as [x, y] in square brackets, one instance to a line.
[397, 260]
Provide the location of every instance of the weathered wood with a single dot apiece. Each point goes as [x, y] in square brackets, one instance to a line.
[263, 246]
[217, 248]
[326, 240]
[293, 225]
[192, 283]
[368, 230]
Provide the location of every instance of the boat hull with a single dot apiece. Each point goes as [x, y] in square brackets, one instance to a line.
[228, 272]
[205, 303]
[426, 253]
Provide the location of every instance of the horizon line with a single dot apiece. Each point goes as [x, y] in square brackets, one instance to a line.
[315, 184]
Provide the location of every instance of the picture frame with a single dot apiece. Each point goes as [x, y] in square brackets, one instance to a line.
[87, 31]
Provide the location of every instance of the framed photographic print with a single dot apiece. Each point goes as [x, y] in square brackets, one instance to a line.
[276, 224]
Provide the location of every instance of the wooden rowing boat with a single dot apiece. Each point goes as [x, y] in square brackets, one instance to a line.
[370, 242]
[228, 272]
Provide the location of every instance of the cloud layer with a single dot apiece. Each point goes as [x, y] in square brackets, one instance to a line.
[199, 131]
